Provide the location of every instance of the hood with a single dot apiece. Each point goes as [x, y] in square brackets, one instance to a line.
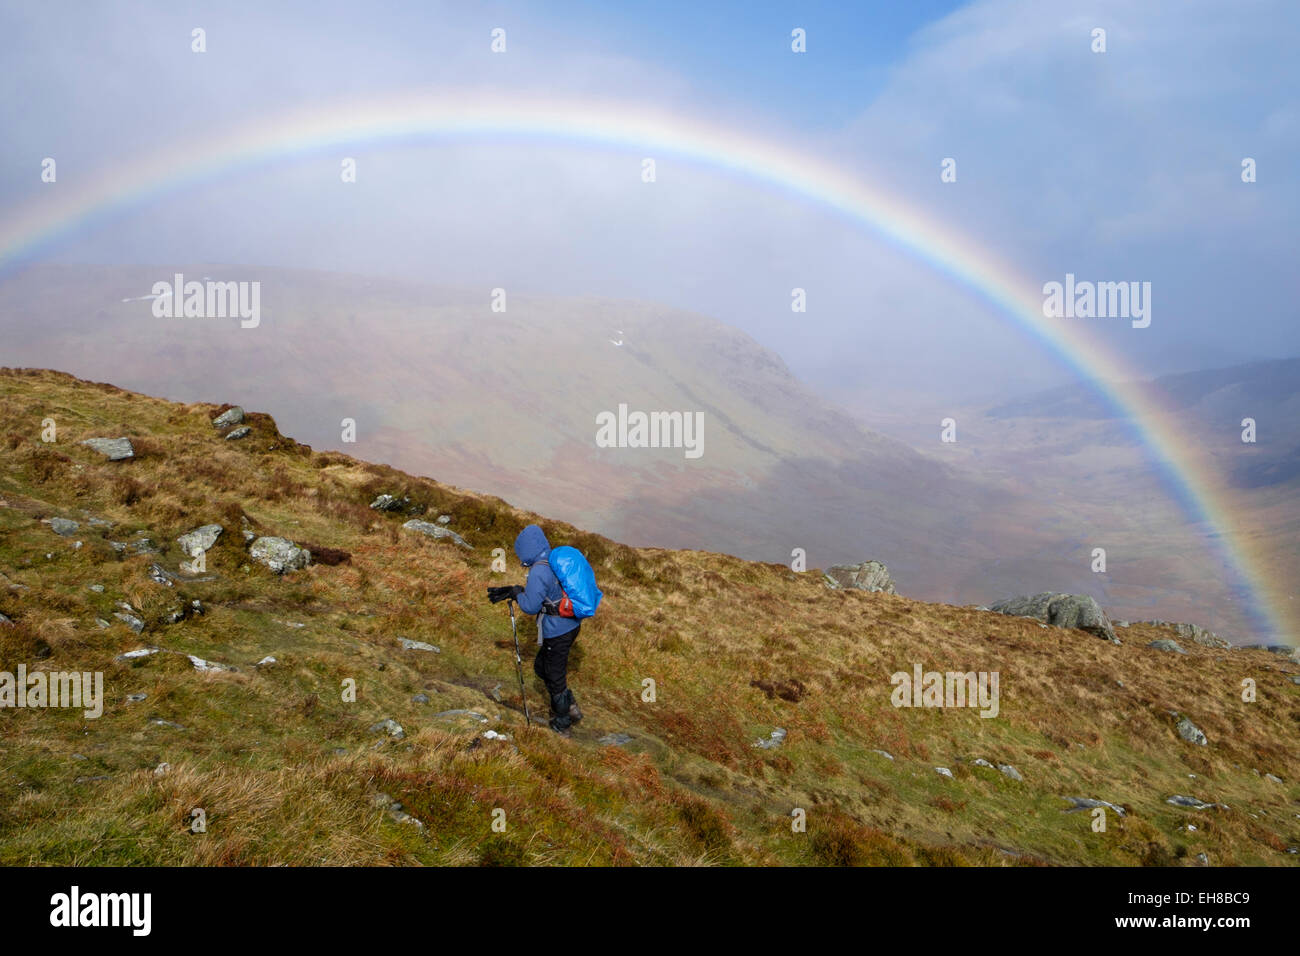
[531, 545]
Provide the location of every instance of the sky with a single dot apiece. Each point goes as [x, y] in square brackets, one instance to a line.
[1122, 165]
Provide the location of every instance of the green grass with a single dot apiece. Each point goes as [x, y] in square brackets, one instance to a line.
[287, 771]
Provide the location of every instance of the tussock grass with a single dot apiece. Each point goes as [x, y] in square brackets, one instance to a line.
[289, 772]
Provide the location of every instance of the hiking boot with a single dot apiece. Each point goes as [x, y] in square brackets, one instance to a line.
[563, 731]
[575, 714]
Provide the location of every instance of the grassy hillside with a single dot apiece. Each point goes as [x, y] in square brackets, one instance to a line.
[286, 771]
[506, 403]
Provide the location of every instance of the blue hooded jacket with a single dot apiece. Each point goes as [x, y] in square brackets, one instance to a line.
[531, 547]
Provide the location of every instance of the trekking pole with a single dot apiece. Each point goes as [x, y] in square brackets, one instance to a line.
[519, 666]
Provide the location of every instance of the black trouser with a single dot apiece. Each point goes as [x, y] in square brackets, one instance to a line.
[552, 664]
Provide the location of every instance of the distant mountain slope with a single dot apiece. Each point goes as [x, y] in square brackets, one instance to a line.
[507, 403]
[224, 691]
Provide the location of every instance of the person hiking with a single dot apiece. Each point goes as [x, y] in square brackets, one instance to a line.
[541, 595]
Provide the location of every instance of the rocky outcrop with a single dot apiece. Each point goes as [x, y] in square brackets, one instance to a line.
[231, 416]
[867, 576]
[1078, 611]
[1195, 634]
[279, 554]
[114, 449]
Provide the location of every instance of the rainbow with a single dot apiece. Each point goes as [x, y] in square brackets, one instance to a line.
[65, 208]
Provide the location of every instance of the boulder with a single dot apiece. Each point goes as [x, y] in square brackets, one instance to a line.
[1077, 611]
[243, 431]
[1191, 733]
[200, 540]
[279, 554]
[114, 449]
[411, 645]
[63, 526]
[867, 576]
[774, 739]
[435, 531]
[1195, 634]
[231, 416]
[1164, 644]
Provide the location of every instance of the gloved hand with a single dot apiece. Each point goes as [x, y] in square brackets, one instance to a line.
[505, 593]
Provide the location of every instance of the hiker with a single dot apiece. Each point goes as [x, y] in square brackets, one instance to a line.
[541, 596]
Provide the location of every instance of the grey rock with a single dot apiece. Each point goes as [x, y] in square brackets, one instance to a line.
[101, 623]
[1191, 733]
[114, 449]
[243, 431]
[774, 740]
[411, 645]
[1088, 803]
[158, 721]
[1011, 772]
[390, 503]
[1203, 858]
[1164, 644]
[615, 740]
[1077, 611]
[1195, 634]
[97, 588]
[63, 526]
[943, 772]
[135, 698]
[390, 727]
[161, 769]
[1272, 779]
[231, 416]
[131, 621]
[5, 619]
[208, 666]
[435, 531]
[279, 554]
[200, 540]
[867, 576]
[884, 753]
[161, 575]
[1191, 803]
[444, 519]
[420, 699]
[981, 762]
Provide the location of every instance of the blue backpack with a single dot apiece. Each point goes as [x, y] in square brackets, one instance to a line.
[577, 580]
